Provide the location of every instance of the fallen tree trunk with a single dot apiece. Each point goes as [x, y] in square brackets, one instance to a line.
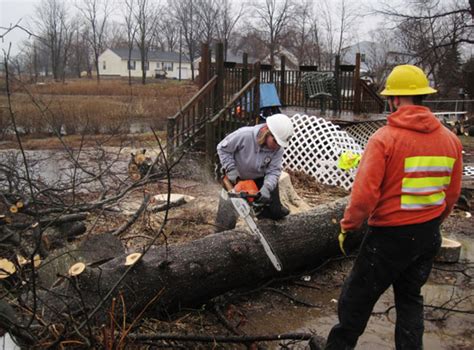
[196, 271]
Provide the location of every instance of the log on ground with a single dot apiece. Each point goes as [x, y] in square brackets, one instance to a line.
[193, 272]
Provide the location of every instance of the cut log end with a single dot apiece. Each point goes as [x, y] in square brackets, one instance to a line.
[22, 261]
[77, 269]
[449, 252]
[6, 268]
[132, 259]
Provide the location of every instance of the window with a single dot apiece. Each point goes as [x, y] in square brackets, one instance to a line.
[362, 57]
[167, 66]
[132, 65]
[147, 65]
[104, 65]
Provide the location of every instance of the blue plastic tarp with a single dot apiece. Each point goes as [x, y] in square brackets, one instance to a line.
[269, 96]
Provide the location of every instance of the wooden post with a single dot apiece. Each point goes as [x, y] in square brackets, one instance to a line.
[245, 69]
[256, 93]
[170, 136]
[282, 80]
[336, 103]
[219, 90]
[272, 68]
[356, 86]
[210, 146]
[204, 65]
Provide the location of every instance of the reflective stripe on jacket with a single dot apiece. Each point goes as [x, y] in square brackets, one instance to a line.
[425, 191]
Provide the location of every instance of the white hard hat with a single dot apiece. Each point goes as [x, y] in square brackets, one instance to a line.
[281, 128]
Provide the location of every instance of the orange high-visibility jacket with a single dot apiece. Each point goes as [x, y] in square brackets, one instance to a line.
[410, 172]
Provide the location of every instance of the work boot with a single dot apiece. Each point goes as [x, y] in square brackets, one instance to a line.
[284, 211]
[316, 343]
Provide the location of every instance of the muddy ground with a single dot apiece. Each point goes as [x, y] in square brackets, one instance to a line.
[282, 306]
[305, 303]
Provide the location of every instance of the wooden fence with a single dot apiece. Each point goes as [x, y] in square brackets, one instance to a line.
[239, 111]
[352, 93]
[228, 97]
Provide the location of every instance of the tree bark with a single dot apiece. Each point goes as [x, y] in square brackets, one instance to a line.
[193, 272]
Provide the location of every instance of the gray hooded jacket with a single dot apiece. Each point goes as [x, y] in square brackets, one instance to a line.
[240, 150]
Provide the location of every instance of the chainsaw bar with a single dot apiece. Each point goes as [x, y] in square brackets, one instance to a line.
[243, 209]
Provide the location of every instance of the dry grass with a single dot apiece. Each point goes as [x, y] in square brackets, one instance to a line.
[110, 87]
[87, 107]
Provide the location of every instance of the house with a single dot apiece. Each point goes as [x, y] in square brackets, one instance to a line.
[373, 55]
[291, 61]
[236, 57]
[160, 64]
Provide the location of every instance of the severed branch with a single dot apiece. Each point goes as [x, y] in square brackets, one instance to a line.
[221, 339]
[134, 217]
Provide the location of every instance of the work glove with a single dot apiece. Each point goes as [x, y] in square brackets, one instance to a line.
[342, 237]
[233, 175]
[264, 196]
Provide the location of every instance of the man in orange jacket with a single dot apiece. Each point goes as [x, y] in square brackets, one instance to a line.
[408, 181]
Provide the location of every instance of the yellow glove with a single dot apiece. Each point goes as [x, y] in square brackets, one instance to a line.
[349, 160]
[342, 236]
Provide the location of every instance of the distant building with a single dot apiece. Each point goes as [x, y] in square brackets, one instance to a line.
[374, 55]
[160, 64]
[236, 57]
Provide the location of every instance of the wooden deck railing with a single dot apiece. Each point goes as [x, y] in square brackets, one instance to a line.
[242, 109]
[371, 102]
[184, 126]
[230, 98]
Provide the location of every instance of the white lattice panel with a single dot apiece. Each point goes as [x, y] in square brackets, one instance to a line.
[362, 131]
[468, 171]
[315, 149]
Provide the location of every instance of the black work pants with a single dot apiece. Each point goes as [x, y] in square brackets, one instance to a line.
[401, 256]
[226, 217]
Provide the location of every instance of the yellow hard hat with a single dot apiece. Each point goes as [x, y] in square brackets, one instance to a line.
[407, 80]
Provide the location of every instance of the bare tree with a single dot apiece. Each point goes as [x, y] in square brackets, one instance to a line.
[185, 13]
[96, 14]
[146, 16]
[226, 22]
[251, 42]
[273, 17]
[207, 12]
[169, 33]
[53, 26]
[337, 22]
[131, 30]
[432, 31]
[377, 59]
[80, 54]
[302, 26]
[315, 50]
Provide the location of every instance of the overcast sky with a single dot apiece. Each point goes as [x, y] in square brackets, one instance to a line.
[12, 11]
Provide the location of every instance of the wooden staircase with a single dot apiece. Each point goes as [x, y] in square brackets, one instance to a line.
[230, 99]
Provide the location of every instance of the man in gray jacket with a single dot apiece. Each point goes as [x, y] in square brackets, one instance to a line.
[255, 153]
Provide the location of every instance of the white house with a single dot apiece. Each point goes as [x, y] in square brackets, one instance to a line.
[115, 62]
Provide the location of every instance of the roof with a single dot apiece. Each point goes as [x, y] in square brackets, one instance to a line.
[237, 57]
[153, 55]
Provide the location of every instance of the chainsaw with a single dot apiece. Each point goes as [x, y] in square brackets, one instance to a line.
[241, 202]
